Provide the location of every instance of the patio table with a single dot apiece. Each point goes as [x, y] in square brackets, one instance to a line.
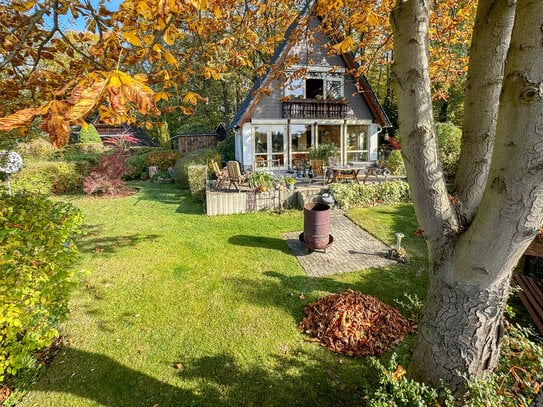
[346, 172]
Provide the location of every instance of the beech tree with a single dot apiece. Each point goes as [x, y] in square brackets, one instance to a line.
[477, 234]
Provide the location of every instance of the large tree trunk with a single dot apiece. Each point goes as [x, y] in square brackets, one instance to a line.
[472, 254]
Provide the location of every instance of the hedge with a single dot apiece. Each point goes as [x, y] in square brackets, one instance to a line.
[37, 253]
[353, 195]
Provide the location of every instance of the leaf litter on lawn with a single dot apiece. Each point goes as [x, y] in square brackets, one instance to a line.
[355, 324]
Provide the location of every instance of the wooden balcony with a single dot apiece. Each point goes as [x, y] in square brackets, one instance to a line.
[314, 109]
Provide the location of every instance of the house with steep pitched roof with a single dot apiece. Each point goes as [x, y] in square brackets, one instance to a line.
[317, 102]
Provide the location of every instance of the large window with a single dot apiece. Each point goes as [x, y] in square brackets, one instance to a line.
[357, 143]
[329, 134]
[316, 85]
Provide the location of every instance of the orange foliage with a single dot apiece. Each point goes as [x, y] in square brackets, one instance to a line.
[63, 76]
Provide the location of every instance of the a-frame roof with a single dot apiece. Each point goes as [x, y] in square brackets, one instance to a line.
[244, 112]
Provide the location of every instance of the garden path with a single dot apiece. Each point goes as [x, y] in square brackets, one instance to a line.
[352, 249]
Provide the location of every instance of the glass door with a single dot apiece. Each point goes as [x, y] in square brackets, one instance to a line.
[269, 145]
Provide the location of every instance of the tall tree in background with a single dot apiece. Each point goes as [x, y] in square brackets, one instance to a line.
[477, 237]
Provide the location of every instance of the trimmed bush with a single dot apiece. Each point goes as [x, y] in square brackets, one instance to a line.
[197, 181]
[163, 159]
[198, 157]
[39, 149]
[395, 163]
[36, 276]
[48, 177]
[449, 138]
[137, 166]
[358, 195]
[89, 135]
[140, 162]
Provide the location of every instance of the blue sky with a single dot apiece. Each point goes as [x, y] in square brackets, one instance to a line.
[68, 22]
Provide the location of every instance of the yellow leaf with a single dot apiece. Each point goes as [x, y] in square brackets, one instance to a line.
[132, 38]
[211, 72]
[161, 96]
[170, 58]
[187, 110]
[169, 37]
[399, 373]
[191, 98]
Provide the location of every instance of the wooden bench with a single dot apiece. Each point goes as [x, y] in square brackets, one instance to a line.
[531, 296]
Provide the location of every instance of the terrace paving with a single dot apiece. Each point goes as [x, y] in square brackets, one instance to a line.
[352, 249]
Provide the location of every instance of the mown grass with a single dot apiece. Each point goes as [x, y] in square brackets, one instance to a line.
[178, 309]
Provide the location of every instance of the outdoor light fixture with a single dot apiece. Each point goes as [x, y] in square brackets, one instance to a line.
[399, 237]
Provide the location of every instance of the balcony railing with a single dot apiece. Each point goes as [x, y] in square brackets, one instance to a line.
[314, 109]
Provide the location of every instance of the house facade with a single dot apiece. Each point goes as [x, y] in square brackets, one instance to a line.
[318, 103]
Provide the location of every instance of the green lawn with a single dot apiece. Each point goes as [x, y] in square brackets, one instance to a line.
[177, 308]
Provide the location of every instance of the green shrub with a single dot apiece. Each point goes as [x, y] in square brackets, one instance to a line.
[396, 390]
[198, 157]
[162, 177]
[49, 177]
[197, 175]
[38, 149]
[137, 166]
[36, 276]
[89, 135]
[395, 163]
[352, 195]
[163, 159]
[449, 138]
[519, 375]
[228, 148]
[141, 160]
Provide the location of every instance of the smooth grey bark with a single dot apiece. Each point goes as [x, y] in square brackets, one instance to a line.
[471, 263]
[493, 25]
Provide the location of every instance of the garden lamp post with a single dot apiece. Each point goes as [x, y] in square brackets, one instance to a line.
[10, 163]
[399, 237]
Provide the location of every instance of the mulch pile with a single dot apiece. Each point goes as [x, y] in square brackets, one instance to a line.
[355, 324]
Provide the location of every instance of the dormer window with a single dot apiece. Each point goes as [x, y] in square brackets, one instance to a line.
[317, 84]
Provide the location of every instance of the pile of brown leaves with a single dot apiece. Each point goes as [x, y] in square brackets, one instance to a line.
[355, 324]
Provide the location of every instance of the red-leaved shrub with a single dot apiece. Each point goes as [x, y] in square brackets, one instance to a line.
[107, 177]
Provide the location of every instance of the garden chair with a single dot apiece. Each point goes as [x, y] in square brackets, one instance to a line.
[234, 174]
[318, 171]
[376, 170]
[220, 175]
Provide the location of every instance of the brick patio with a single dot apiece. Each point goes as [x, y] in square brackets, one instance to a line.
[352, 249]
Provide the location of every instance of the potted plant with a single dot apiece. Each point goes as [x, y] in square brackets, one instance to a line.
[260, 181]
[323, 152]
[289, 182]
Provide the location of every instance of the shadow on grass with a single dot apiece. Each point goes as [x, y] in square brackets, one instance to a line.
[291, 377]
[294, 378]
[164, 193]
[93, 243]
[260, 241]
[168, 194]
[285, 292]
[105, 381]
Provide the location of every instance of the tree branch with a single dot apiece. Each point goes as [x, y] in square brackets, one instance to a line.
[410, 21]
[491, 36]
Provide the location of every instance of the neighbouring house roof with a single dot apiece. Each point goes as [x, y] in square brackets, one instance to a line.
[244, 112]
[219, 132]
[108, 131]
